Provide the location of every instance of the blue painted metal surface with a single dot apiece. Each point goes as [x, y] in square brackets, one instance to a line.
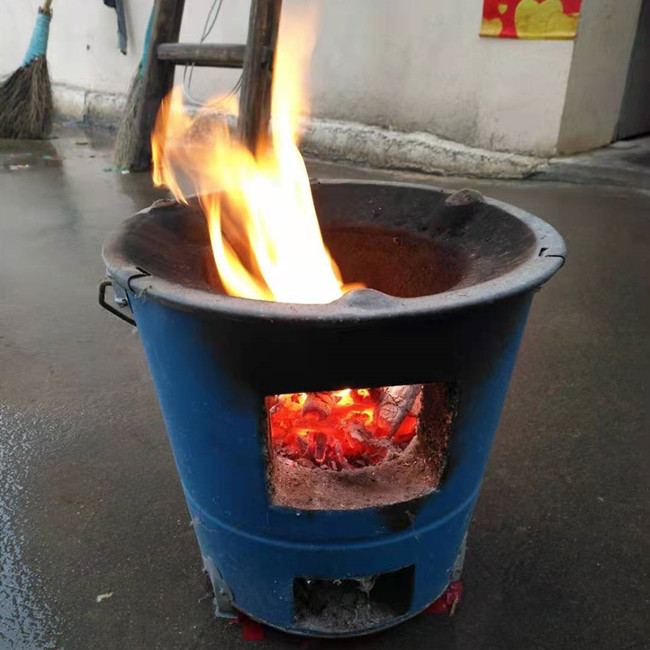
[214, 358]
[215, 431]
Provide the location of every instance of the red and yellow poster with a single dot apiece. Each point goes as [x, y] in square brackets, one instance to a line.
[530, 18]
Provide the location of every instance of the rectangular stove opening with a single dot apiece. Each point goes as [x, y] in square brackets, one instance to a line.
[352, 604]
[357, 447]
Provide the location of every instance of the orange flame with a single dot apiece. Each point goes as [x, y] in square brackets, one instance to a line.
[264, 232]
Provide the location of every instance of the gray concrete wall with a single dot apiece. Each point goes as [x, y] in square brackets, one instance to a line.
[415, 67]
[598, 73]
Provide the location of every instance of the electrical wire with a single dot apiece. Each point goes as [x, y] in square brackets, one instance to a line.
[208, 26]
[188, 71]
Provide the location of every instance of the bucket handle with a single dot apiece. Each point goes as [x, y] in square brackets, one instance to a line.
[102, 301]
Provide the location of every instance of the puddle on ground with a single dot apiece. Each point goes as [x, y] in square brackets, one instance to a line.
[26, 621]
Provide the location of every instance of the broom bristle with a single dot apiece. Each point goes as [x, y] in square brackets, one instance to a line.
[26, 104]
[126, 141]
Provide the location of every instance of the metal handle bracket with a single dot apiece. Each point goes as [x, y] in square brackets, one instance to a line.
[108, 307]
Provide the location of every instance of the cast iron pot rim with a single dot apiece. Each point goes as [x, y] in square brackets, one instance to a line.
[358, 306]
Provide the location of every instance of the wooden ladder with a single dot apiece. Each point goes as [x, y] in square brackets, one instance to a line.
[165, 52]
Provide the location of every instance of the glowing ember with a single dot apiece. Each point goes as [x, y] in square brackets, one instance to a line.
[265, 236]
[346, 429]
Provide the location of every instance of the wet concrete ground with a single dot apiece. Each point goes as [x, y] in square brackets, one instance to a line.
[90, 503]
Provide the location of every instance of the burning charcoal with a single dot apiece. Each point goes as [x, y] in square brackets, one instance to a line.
[358, 432]
[319, 403]
[318, 447]
[338, 457]
[394, 405]
[341, 431]
[363, 395]
[302, 443]
[386, 450]
[417, 405]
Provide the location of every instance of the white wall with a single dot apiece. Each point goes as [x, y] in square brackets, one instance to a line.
[416, 66]
[598, 73]
[427, 69]
[83, 38]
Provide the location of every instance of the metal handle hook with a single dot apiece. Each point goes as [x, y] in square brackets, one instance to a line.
[102, 301]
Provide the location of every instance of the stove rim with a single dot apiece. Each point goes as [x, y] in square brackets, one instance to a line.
[355, 307]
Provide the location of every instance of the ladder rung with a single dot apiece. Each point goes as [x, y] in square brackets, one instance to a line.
[211, 55]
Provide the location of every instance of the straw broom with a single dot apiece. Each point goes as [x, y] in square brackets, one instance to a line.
[26, 105]
[126, 140]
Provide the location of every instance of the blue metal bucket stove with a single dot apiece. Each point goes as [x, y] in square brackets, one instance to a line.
[349, 551]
